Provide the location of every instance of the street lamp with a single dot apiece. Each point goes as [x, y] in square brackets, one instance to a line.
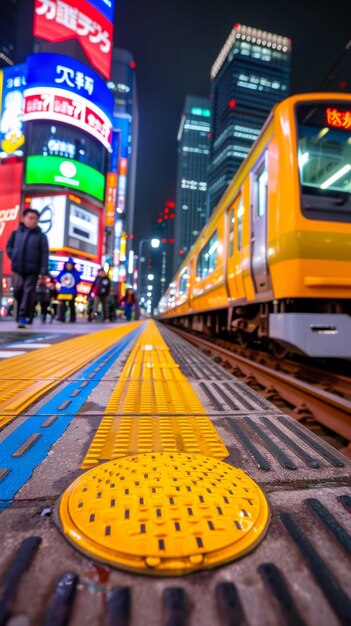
[154, 244]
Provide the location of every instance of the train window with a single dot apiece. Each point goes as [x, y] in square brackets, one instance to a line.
[240, 223]
[183, 281]
[231, 232]
[262, 179]
[324, 158]
[207, 259]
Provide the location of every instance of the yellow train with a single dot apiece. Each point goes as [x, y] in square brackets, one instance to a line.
[274, 260]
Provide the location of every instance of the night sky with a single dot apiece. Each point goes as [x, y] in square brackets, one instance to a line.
[174, 44]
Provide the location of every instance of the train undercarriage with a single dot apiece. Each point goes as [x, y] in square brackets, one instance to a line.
[316, 328]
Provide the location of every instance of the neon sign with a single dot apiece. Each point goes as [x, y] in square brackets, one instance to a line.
[46, 69]
[54, 170]
[11, 111]
[57, 104]
[338, 119]
[58, 20]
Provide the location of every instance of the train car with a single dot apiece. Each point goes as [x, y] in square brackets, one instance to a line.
[274, 261]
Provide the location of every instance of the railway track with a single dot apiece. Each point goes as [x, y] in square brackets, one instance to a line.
[316, 398]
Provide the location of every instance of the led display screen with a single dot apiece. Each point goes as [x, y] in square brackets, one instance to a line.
[13, 81]
[57, 139]
[63, 72]
[68, 224]
[53, 170]
[338, 118]
[58, 20]
[83, 228]
[63, 106]
[52, 211]
[88, 268]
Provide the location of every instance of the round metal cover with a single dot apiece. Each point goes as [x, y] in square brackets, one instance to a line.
[164, 514]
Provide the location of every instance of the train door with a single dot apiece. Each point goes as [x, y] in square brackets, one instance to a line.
[259, 196]
[234, 278]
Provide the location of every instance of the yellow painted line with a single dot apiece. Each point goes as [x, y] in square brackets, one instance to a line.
[26, 378]
[167, 414]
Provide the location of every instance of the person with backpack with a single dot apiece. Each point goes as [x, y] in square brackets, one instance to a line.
[68, 278]
[101, 289]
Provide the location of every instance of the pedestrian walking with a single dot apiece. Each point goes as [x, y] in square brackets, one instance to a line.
[101, 289]
[43, 297]
[128, 302]
[68, 278]
[28, 250]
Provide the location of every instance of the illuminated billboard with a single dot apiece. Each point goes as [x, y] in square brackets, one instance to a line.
[58, 20]
[83, 228]
[52, 211]
[88, 268]
[55, 170]
[63, 72]
[62, 106]
[49, 138]
[11, 111]
[10, 199]
[69, 224]
[106, 7]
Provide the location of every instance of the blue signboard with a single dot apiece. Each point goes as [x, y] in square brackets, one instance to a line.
[106, 7]
[56, 70]
[121, 123]
[11, 107]
[115, 151]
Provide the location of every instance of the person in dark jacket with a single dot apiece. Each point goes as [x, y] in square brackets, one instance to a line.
[28, 249]
[68, 278]
[101, 289]
[43, 297]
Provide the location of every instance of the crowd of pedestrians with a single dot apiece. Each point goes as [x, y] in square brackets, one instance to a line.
[37, 293]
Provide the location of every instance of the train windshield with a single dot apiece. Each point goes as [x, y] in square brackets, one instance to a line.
[324, 159]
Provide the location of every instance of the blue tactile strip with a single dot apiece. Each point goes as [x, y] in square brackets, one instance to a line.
[29, 444]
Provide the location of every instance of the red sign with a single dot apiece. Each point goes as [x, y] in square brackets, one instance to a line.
[57, 20]
[60, 105]
[10, 198]
[338, 119]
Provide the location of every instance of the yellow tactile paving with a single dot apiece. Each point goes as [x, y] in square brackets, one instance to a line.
[25, 378]
[167, 414]
[164, 514]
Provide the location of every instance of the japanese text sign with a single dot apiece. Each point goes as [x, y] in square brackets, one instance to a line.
[57, 20]
[60, 105]
[338, 119]
[58, 70]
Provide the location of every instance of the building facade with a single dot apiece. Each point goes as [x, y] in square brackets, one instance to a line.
[122, 85]
[192, 171]
[250, 75]
[56, 130]
[8, 33]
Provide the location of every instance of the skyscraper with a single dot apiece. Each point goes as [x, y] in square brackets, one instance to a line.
[250, 75]
[192, 169]
[8, 33]
[123, 86]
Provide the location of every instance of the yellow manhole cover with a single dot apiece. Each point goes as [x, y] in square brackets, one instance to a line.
[164, 514]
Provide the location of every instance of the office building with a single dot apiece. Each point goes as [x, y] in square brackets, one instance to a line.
[126, 119]
[8, 33]
[192, 172]
[250, 75]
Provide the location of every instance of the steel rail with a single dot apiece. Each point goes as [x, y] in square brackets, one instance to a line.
[328, 409]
